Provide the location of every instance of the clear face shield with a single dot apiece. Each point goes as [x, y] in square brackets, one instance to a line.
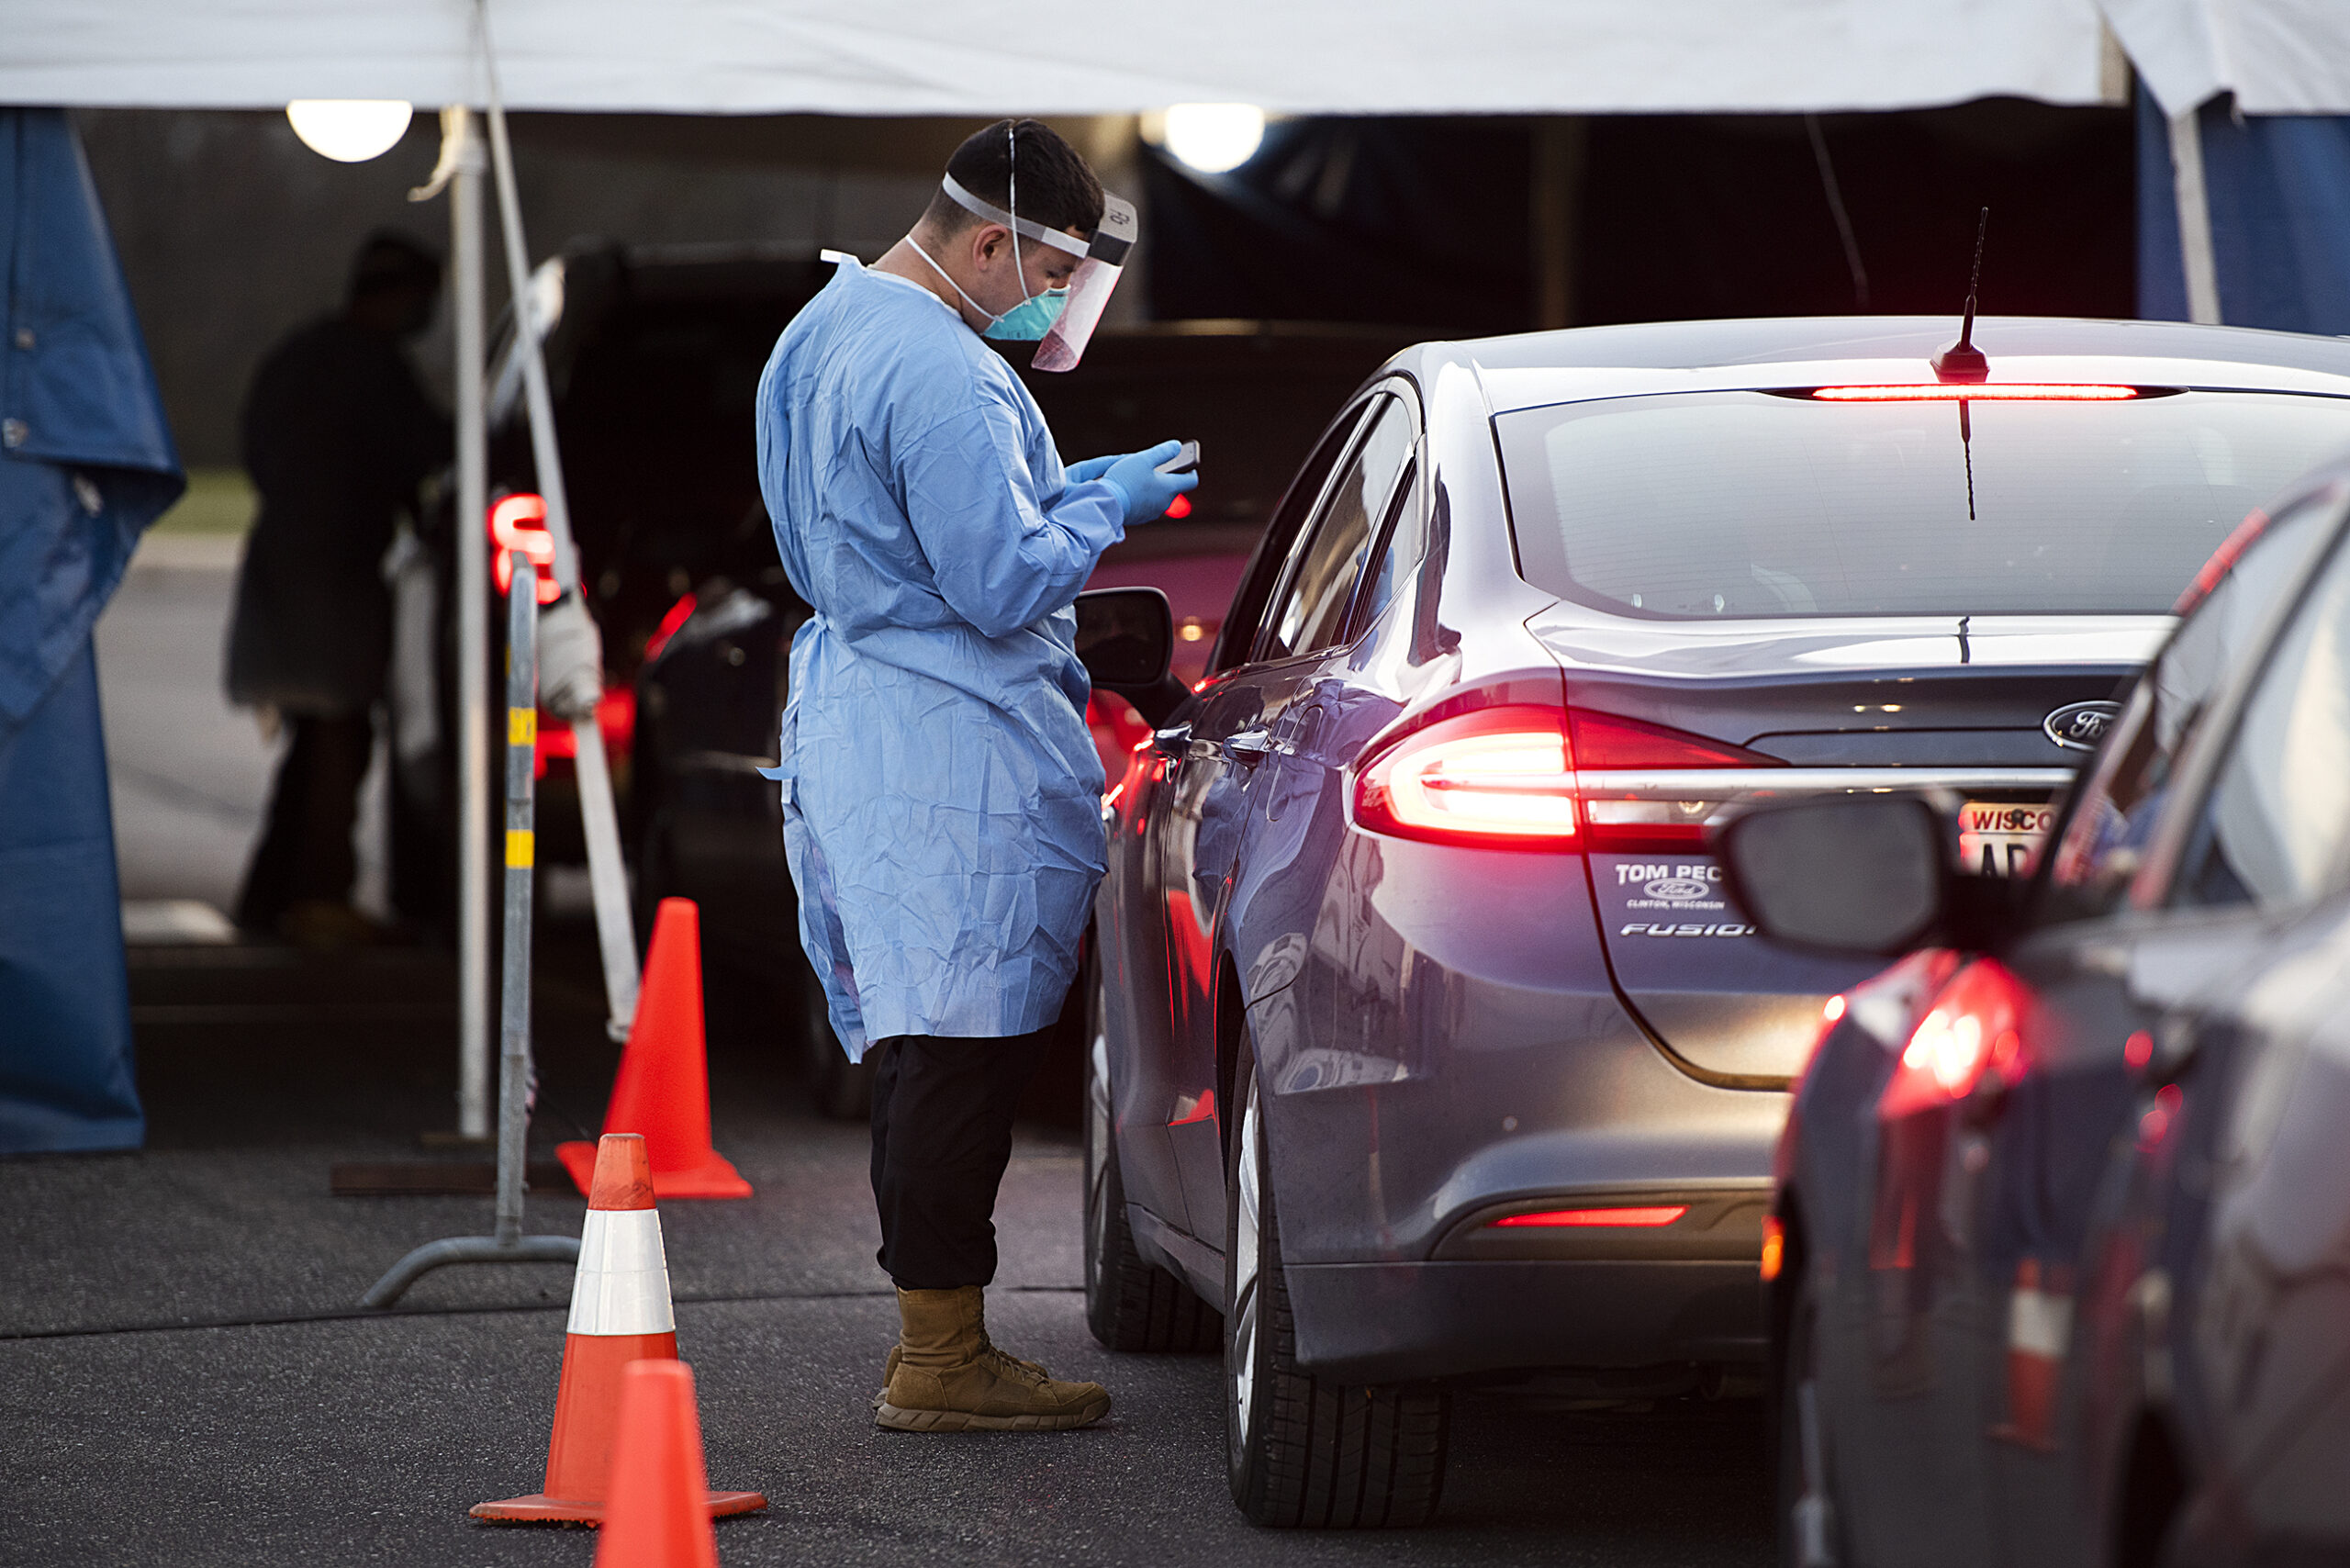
[1100, 260]
[1090, 287]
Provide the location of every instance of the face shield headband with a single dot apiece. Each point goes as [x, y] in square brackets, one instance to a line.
[1090, 287]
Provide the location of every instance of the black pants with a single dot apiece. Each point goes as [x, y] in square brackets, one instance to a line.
[942, 1136]
[304, 852]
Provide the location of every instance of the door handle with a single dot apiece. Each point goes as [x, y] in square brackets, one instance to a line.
[1249, 747]
[1171, 741]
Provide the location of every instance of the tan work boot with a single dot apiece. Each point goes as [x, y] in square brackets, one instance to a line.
[889, 1370]
[945, 1376]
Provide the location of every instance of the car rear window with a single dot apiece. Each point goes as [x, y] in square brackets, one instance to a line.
[1739, 504]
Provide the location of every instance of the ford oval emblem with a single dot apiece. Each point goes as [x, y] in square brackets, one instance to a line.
[2078, 727]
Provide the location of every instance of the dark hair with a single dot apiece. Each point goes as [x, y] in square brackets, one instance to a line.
[1056, 189]
[392, 260]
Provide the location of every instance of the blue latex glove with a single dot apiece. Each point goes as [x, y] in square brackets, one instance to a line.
[1092, 468]
[1146, 492]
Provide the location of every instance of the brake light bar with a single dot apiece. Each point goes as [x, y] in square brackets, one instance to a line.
[1646, 1217]
[1975, 392]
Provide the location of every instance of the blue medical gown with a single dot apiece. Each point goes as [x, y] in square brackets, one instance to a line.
[941, 791]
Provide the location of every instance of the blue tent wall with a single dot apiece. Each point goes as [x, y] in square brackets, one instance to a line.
[86, 463]
[2279, 195]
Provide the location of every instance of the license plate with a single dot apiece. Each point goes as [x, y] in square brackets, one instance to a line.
[2001, 839]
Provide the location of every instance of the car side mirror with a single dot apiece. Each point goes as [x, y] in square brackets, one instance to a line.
[1126, 639]
[1854, 874]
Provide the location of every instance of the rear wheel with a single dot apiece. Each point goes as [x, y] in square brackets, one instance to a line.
[1131, 1303]
[1304, 1450]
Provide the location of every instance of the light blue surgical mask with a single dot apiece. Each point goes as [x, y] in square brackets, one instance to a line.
[1031, 319]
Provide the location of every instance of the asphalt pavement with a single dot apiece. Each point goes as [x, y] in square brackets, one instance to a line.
[186, 1377]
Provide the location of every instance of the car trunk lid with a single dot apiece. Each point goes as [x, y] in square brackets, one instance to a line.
[1778, 712]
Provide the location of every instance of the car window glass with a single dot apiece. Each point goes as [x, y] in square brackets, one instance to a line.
[1406, 539]
[1807, 506]
[1239, 634]
[2106, 837]
[1314, 604]
[2274, 824]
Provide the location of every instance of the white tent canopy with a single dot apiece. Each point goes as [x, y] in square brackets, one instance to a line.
[982, 57]
[2278, 57]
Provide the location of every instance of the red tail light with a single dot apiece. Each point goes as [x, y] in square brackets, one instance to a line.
[1498, 776]
[1974, 1027]
[1974, 392]
[679, 613]
[615, 716]
[1644, 1218]
[1624, 818]
[1534, 778]
[520, 523]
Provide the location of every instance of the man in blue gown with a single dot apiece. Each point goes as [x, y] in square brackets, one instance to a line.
[941, 790]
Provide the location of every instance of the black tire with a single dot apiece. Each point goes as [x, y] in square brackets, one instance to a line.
[1810, 1532]
[1304, 1450]
[1131, 1303]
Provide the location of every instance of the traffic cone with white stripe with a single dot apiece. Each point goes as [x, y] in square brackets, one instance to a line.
[620, 1314]
[2040, 1325]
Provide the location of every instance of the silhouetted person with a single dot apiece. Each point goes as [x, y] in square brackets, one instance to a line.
[338, 434]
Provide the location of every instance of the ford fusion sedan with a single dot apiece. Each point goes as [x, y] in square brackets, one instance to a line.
[2062, 1260]
[1424, 1043]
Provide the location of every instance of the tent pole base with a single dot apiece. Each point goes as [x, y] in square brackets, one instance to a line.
[468, 1249]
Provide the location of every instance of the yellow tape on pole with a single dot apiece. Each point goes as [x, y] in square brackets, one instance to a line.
[519, 848]
[522, 726]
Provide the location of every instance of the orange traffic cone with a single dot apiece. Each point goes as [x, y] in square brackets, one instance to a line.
[651, 1521]
[619, 1315]
[663, 1090]
[2039, 1326]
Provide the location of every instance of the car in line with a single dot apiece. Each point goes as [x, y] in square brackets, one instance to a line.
[2059, 1270]
[1425, 1046]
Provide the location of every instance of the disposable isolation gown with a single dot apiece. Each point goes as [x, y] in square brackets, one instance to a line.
[940, 792]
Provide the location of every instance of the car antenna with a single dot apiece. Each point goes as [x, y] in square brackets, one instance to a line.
[1962, 360]
[1962, 364]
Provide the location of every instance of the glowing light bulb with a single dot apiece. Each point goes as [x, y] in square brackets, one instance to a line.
[1215, 137]
[348, 130]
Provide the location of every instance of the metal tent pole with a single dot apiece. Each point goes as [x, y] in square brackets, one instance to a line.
[607, 873]
[2194, 218]
[515, 1087]
[473, 638]
[459, 172]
